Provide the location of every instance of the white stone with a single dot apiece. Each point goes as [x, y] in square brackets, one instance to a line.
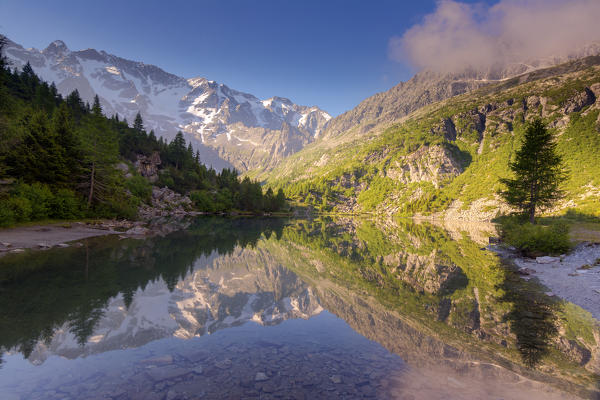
[138, 230]
[546, 260]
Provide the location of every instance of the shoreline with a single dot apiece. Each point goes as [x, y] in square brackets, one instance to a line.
[45, 236]
[60, 234]
[562, 276]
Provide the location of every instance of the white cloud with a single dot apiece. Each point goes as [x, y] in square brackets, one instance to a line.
[458, 35]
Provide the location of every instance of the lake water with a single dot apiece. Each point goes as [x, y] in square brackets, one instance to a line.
[263, 308]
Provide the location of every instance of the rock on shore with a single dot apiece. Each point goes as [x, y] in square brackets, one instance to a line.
[165, 202]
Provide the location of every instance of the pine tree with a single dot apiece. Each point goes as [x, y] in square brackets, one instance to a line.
[538, 172]
[101, 151]
[138, 123]
[38, 157]
[76, 105]
[3, 60]
[177, 150]
[280, 200]
[66, 138]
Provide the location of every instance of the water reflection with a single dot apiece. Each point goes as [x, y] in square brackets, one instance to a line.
[426, 293]
[46, 290]
[533, 318]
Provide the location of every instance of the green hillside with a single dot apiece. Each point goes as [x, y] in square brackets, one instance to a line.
[449, 156]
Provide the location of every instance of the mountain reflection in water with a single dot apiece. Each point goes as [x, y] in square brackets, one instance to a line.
[268, 307]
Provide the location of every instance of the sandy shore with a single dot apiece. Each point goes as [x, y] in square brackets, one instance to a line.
[565, 277]
[44, 236]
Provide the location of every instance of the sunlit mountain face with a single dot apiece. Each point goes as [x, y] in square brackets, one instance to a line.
[344, 307]
[228, 127]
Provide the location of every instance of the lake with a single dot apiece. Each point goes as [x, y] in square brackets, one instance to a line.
[263, 308]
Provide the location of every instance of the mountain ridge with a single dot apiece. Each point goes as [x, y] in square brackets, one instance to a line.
[229, 127]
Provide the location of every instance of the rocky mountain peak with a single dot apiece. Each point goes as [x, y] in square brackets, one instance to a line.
[56, 47]
[229, 128]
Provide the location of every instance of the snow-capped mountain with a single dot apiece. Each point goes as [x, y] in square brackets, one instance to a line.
[227, 126]
[222, 292]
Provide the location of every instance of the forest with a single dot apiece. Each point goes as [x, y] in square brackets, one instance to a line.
[60, 157]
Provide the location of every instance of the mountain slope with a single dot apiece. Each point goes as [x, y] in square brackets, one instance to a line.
[228, 127]
[448, 156]
[428, 87]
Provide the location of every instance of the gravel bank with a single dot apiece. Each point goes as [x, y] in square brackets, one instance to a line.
[45, 236]
[565, 277]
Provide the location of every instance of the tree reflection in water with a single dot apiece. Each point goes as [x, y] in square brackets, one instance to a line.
[532, 318]
[41, 291]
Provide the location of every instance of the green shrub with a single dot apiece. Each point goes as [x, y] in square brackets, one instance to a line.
[40, 199]
[223, 200]
[21, 208]
[115, 207]
[536, 240]
[140, 188]
[7, 215]
[202, 200]
[165, 179]
[65, 205]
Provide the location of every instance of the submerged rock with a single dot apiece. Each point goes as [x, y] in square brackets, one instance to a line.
[261, 376]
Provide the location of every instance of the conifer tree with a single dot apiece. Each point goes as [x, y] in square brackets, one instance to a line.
[280, 200]
[3, 60]
[38, 157]
[67, 139]
[177, 150]
[101, 151]
[538, 172]
[138, 123]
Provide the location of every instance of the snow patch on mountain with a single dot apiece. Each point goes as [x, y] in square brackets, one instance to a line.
[202, 108]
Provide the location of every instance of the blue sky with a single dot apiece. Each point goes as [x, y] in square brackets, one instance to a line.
[327, 53]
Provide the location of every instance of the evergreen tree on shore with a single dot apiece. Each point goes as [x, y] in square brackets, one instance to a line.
[538, 172]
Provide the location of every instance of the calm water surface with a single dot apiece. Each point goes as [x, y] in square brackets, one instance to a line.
[272, 308]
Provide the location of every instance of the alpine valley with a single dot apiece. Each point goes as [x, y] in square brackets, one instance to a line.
[436, 144]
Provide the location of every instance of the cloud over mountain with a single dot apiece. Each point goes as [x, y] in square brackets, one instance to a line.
[457, 35]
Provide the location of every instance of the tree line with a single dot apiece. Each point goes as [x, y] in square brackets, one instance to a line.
[59, 158]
